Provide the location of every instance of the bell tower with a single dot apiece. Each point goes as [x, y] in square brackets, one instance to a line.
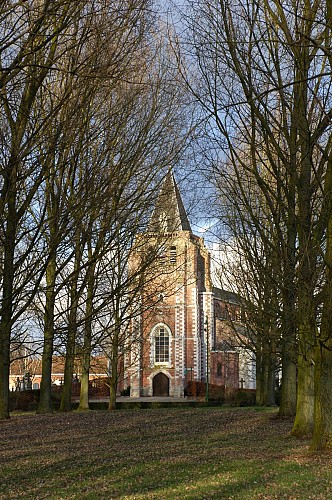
[177, 330]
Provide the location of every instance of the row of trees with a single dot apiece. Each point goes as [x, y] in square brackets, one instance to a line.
[92, 115]
[262, 76]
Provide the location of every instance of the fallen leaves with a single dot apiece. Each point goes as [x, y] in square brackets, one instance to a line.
[157, 453]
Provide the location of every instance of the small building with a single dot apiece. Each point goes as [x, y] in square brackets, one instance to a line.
[26, 371]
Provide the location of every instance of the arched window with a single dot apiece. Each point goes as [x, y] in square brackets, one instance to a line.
[162, 251]
[161, 344]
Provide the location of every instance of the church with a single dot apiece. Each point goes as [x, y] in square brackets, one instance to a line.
[192, 331]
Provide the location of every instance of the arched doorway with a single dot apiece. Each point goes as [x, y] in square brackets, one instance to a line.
[160, 385]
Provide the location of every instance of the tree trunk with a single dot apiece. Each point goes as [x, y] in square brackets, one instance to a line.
[289, 353]
[84, 393]
[66, 394]
[304, 420]
[265, 390]
[7, 292]
[112, 399]
[288, 385]
[270, 381]
[114, 375]
[5, 332]
[288, 398]
[322, 433]
[307, 247]
[114, 363]
[259, 372]
[44, 405]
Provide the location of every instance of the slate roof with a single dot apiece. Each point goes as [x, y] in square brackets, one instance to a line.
[169, 214]
[227, 296]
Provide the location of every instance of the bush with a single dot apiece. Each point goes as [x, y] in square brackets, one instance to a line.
[24, 400]
[99, 387]
[28, 400]
[126, 392]
[198, 390]
[242, 397]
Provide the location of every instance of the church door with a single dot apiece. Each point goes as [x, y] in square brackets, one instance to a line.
[161, 385]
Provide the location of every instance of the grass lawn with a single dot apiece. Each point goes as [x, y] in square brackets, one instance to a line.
[164, 453]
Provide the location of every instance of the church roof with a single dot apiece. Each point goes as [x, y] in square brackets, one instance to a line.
[169, 214]
[227, 296]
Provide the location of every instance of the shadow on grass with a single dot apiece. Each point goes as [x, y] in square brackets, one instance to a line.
[165, 453]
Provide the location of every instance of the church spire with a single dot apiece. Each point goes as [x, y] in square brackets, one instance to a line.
[169, 214]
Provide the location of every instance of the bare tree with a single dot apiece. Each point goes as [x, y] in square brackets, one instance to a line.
[252, 268]
[33, 35]
[264, 78]
[132, 131]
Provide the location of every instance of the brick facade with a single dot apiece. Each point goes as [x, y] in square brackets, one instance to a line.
[178, 338]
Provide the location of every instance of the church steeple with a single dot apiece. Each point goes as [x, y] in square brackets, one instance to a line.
[169, 214]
